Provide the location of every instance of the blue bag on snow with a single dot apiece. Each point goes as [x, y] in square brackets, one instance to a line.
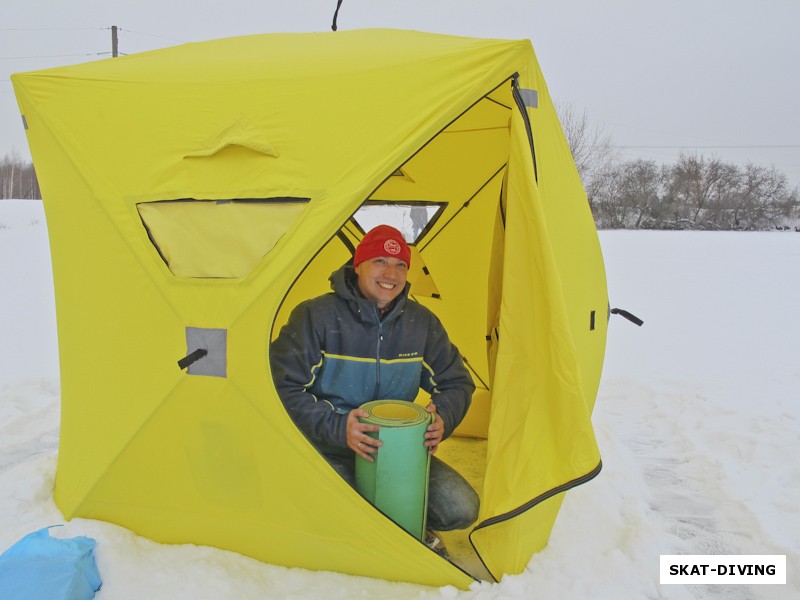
[40, 567]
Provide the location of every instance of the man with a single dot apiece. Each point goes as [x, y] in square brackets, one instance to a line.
[419, 218]
[367, 341]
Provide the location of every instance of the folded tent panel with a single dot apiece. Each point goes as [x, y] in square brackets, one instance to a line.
[195, 194]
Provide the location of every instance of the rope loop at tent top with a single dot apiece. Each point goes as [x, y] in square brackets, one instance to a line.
[336, 14]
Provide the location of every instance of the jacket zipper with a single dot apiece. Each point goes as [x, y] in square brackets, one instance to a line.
[378, 356]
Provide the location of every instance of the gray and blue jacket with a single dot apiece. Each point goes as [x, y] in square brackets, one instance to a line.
[336, 353]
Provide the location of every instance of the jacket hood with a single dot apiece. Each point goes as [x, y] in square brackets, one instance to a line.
[344, 283]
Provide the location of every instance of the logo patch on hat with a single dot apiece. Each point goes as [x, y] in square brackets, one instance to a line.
[392, 246]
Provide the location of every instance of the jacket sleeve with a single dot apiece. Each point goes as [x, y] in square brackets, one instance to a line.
[295, 356]
[445, 377]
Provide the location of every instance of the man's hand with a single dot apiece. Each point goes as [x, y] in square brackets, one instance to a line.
[433, 436]
[357, 439]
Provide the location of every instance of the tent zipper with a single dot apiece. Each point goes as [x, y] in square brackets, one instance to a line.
[530, 504]
[542, 497]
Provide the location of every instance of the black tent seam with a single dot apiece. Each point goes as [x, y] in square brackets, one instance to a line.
[155, 245]
[497, 102]
[463, 206]
[502, 205]
[352, 227]
[299, 275]
[433, 137]
[475, 372]
[348, 244]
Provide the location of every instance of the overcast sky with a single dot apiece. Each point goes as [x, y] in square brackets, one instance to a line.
[715, 77]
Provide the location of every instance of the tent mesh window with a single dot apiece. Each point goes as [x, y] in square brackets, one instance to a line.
[217, 238]
[413, 218]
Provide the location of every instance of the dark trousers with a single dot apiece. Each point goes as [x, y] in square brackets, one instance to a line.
[452, 503]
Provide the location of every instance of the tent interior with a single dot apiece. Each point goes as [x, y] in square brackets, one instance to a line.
[457, 179]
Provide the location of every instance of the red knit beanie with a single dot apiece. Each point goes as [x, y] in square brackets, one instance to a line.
[382, 240]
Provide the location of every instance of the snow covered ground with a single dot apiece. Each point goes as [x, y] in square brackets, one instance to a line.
[697, 420]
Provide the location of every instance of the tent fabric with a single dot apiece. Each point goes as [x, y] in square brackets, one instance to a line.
[367, 118]
[41, 567]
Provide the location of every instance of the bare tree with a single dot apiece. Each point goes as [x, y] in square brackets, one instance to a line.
[607, 198]
[642, 184]
[699, 190]
[8, 176]
[764, 199]
[694, 193]
[29, 183]
[590, 144]
[18, 178]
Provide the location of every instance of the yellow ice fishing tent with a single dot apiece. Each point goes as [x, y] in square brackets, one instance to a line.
[195, 194]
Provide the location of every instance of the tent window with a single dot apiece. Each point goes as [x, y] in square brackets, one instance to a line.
[217, 238]
[413, 219]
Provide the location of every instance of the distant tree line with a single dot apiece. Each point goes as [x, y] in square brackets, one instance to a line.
[693, 193]
[18, 179]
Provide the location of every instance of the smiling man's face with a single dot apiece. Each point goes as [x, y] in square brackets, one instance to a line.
[381, 279]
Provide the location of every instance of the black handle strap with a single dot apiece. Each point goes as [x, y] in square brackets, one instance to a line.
[336, 14]
[631, 317]
[192, 357]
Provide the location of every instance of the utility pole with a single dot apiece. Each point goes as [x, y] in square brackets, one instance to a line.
[114, 42]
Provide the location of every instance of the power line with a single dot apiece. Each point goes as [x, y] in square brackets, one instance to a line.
[153, 35]
[40, 56]
[73, 55]
[52, 56]
[53, 28]
[736, 147]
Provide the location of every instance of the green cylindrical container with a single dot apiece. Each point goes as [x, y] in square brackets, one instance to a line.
[397, 481]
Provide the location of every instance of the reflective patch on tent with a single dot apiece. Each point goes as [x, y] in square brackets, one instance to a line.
[219, 239]
[215, 343]
[530, 98]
